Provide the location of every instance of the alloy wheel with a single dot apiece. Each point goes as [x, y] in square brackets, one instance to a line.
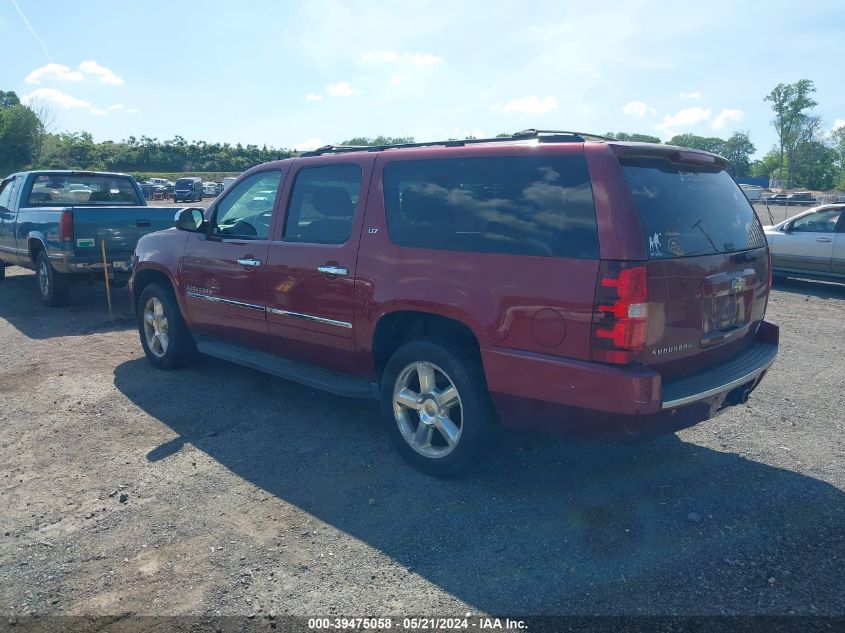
[428, 410]
[155, 327]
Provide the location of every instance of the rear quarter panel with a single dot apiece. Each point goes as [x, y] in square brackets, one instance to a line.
[506, 300]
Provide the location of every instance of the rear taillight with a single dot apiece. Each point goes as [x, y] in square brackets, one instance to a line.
[620, 321]
[66, 226]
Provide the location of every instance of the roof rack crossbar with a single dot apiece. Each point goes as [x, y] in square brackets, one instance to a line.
[550, 135]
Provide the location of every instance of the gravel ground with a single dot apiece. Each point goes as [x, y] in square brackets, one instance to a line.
[217, 489]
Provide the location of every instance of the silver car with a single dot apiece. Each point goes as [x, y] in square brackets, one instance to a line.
[810, 244]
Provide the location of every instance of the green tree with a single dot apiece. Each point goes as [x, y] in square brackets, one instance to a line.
[8, 99]
[815, 166]
[768, 166]
[20, 133]
[837, 139]
[789, 102]
[738, 149]
[704, 143]
[634, 138]
[379, 140]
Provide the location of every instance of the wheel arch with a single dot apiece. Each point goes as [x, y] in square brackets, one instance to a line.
[394, 329]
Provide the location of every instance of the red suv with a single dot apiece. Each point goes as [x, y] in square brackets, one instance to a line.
[593, 287]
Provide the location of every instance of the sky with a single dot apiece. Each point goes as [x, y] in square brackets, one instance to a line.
[302, 74]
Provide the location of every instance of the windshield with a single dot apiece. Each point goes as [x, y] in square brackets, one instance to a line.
[184, 183]
[686, 211]
[88, 189]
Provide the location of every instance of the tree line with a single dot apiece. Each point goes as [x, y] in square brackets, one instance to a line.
[806, 156]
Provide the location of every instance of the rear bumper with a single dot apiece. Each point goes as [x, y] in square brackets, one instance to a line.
[600, 401]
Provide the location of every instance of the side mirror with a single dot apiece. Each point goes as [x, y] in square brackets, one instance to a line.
[190, 219]
[787, 227]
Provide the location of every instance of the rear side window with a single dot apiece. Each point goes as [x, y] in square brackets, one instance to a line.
[532, 205]
[686, 211]
[322, 204]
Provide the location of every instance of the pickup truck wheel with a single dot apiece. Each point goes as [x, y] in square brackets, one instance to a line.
[164, 336]
[437, 407]
[52, 285]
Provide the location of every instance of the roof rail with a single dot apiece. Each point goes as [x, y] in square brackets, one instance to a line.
[542, 136]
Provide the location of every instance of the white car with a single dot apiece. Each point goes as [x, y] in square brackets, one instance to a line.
[810, 244]
[209, 189]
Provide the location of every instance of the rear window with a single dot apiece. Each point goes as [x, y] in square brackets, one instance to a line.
[537, 205]
[686, 211]
[81, 189]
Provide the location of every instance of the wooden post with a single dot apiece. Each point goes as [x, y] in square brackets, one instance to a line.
[106, 275]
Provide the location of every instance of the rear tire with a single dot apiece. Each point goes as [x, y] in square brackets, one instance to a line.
[52, 286]
[435, 403]
[166, 340]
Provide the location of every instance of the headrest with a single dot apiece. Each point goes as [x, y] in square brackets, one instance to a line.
[332, 202]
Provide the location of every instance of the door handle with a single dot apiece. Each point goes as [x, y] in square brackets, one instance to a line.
[337, 271]
[249, 263]
[823, 239]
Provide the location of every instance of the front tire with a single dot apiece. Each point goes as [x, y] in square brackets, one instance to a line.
[52, 285]
[166, 340]
[437, 408]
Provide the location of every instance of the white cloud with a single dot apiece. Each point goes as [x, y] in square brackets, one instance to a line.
[530, 105]
[685, 118]
[313, 96]
[380, 56]
[637, 109]
[396, 78]
[424, 59]
[311, 143]
[838, 123]
[106, 75]
[56, 72]
[726, 115]
[342, 89]
[689, 95]
[54, 97]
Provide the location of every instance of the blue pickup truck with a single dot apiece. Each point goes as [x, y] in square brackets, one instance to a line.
[55, 222]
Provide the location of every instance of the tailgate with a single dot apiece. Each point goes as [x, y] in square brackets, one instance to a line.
[119, 227]
[703, 310]
[708, 267]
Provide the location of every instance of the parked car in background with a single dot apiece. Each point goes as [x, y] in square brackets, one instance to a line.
[218, 188]
[79, 192]
[188, 189]
[47, 226]
[209, 189]
[810, 244]
[472, 284]
[228, 180]
[778, 198]
[161, 182]
[800, 199]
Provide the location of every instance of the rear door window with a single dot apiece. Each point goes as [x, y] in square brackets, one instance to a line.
[521, 205]
[689, 210]
[322, 204]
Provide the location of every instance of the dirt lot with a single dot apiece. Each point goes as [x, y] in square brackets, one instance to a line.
[217, 489]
